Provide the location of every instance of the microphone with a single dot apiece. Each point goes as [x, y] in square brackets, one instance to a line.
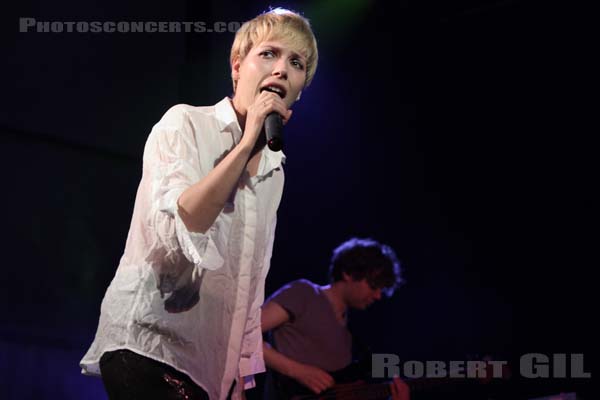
[274, 127]
[274, 131]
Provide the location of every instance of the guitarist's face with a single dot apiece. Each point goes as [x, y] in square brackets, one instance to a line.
[359, 294]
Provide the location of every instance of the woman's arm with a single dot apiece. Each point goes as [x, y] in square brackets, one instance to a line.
[200, 204]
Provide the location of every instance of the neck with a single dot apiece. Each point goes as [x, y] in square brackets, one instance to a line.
[240, 112]
[335, 296]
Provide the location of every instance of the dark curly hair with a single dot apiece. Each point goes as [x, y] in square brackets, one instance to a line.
[367, 258]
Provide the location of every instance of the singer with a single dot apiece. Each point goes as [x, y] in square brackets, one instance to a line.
[181, 318]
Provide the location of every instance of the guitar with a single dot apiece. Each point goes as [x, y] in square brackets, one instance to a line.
[350, 385]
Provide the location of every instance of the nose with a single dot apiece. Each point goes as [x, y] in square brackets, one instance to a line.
[280, 68]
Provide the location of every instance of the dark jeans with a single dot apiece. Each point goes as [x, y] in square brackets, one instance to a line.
[130, 376]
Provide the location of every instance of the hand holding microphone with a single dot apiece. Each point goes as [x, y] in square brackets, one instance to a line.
[274, 131]
[274, 124]
[263, 115]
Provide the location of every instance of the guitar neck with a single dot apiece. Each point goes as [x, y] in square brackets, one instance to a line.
[357, 391]
[374, 391]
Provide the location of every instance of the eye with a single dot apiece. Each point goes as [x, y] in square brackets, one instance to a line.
[297, 64]
[267, 53]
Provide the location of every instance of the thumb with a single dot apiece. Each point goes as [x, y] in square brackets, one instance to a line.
[287, 117]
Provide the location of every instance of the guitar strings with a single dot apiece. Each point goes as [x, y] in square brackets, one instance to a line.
[349, 392]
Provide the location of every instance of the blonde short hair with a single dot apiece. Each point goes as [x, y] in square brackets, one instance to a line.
[281, 24]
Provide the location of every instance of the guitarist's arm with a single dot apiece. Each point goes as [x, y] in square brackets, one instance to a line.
[316, 379]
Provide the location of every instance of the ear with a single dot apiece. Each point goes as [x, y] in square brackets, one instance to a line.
[235, 68]
[346, 277]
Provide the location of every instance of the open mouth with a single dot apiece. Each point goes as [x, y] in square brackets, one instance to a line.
[275, 89]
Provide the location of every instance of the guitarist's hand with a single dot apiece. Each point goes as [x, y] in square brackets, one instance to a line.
[313, 378]
[399, 389]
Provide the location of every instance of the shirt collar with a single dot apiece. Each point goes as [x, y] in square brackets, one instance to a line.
[273, 160]
[228, 122]
[226, 116]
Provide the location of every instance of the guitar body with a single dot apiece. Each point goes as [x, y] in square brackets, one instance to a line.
[350, 385]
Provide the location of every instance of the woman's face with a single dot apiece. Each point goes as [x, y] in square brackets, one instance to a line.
[271, 64]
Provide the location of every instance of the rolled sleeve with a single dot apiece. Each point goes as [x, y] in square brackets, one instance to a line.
[199, 248]
[171, 157]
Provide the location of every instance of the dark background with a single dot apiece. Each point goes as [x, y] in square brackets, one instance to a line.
[449, 130]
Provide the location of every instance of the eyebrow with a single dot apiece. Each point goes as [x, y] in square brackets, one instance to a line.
[279, 49]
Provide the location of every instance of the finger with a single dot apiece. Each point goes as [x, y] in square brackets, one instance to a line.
[323, 387]
[275, 104]
[277, 101]
[265, 100]
[394, 390]
[321, 382]
[287, 117]
[269, 97]
[312, 382]
[330, 381]
[402, 386]
[325, 383]
[280, 108]
[324, 377]
[402, 389]
[315, 388]
[265, 94]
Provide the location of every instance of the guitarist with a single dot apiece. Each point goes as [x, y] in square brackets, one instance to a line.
[308, 321]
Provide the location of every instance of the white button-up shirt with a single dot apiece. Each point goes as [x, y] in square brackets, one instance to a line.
[192, 300]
